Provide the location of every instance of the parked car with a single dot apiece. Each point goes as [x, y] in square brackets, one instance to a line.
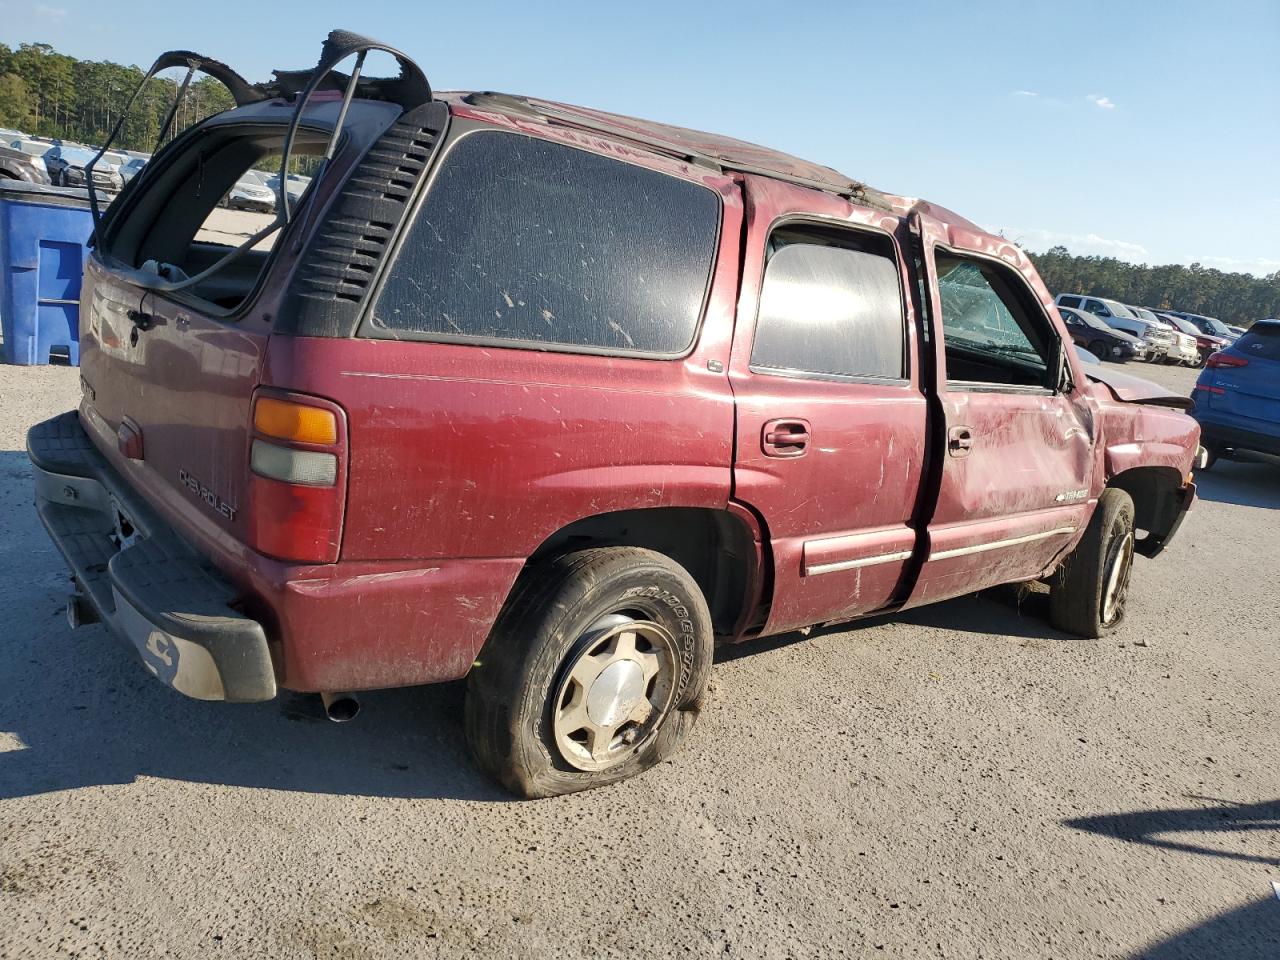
[36, 149]
[1238, 331]
[1208, 325]
[1206, 343]
[1237, 397]
[67, 162]
[130, 167]
[1101, 340]
[16, 165]
[296, 185]
[1183, 349]
[252, 193]
[532, 400]
[1157, 335]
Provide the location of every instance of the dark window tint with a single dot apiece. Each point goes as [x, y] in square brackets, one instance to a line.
[992, 333]
[1262, 341]
[525, 240]
[1069, 301]
[830, 309]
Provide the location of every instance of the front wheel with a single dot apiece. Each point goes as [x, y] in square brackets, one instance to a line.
[1088, 592]
[1099, 350]
[594, 672]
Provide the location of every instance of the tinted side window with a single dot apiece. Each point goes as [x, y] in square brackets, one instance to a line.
[992, 332]
[524, 240]
[830, 306]
[1069, 301]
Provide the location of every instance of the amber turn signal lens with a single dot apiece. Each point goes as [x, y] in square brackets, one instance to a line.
[294, 421]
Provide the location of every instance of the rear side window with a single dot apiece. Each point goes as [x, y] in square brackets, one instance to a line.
[830, 305]
[1262, 342]
[526, 241]
[1069, 301]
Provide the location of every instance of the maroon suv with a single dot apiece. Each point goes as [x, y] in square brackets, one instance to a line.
[553, 399]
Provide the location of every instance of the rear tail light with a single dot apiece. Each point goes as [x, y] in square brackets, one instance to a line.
[297, 478]
[1217, 360]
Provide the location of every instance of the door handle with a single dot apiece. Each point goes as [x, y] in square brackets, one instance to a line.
[785, 438]
[959, 441]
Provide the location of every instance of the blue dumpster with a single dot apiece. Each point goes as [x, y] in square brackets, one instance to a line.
[43, 237]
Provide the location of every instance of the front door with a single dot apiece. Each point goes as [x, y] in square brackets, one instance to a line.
[830, 413]
[1016, 463]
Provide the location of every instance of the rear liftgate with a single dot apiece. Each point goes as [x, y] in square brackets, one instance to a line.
[410, 89]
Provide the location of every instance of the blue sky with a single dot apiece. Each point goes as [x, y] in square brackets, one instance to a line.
[1148, 131]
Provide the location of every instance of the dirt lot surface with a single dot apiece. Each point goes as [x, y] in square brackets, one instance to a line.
[959, 782]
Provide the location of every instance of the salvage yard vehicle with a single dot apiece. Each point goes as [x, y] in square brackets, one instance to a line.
[1156, 334]
[1207, 344]
[1237, 397]
[17, 165]
[553, 399]
[1102, 341]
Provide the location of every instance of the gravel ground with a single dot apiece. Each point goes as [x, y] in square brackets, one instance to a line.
[958, 782]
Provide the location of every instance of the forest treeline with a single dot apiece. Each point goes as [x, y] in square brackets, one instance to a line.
[1238, 298]
[51, 94]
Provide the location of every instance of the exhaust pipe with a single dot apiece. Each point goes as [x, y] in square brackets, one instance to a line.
[340, 707]
[80, 612]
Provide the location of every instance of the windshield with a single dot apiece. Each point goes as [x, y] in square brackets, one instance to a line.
[1215, 326]
[78, 156]
[1145, 314]
[1120, 310]
[1183, 325]
[252, 179]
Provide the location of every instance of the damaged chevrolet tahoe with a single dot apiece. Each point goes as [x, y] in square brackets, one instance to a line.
[553, 400]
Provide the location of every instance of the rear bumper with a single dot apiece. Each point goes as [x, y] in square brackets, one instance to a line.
[153, 590]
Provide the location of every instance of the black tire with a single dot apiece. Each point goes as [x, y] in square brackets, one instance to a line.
[512, 690]
[1099, 350]
[1078, 592]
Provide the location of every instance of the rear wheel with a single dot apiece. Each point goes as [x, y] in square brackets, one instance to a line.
[595, 671]
[1088, 593]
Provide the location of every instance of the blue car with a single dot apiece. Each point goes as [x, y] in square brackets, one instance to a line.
[1237, 398]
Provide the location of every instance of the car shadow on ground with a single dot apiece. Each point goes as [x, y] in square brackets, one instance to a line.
[77, 709]
[1004, 611]
[1251, 482]
[1251, 932]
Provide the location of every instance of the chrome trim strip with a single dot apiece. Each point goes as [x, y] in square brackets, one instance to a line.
[852, 564]
[997, 544]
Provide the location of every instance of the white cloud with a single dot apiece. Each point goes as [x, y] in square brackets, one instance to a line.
[1258, 266]
[56, 14]
[1100, 101]
[1025, 93]
[1091, 244]
[1085, 244]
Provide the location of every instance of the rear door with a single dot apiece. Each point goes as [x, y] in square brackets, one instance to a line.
[830, 413]
[1016, 470]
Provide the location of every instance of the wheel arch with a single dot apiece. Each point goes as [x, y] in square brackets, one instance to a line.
[1157, 496]
[720, 548]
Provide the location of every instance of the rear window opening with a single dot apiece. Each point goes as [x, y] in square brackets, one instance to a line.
[207, 200]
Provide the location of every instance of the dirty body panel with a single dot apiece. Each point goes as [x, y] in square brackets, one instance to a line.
[900, 467]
